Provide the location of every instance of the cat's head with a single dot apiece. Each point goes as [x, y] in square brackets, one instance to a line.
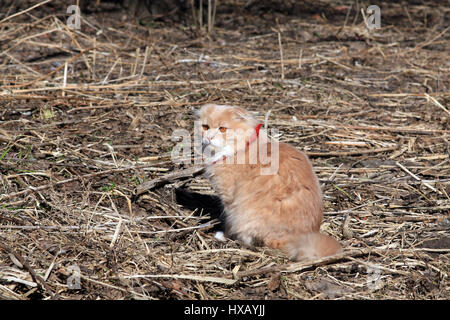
[221, 126]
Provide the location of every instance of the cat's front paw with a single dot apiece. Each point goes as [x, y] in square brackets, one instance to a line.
[220, 236]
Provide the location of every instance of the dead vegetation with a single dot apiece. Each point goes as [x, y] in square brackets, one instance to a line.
[86, 118]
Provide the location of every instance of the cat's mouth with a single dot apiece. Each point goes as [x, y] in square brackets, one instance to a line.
[213, 144]
[205, 144]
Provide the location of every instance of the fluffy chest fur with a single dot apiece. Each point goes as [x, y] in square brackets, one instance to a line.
[268, 207]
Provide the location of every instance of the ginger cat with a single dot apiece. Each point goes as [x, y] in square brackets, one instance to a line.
[282, 209]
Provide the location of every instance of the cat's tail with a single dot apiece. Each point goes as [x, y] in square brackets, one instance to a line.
[312, 246]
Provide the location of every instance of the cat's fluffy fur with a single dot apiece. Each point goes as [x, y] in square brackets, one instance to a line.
[283, 210]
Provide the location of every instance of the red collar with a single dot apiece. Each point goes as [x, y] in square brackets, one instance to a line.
[254, 136]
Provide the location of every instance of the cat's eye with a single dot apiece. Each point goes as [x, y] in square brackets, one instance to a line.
[223, 129]
[205, 127]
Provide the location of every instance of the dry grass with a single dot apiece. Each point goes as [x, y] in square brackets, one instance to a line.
[371, 108]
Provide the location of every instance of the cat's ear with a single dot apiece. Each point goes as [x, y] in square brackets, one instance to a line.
[200, 111]
[197, 113]
[203, 109]
[241, 114]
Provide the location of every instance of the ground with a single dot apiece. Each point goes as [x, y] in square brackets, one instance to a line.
[93, 207]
